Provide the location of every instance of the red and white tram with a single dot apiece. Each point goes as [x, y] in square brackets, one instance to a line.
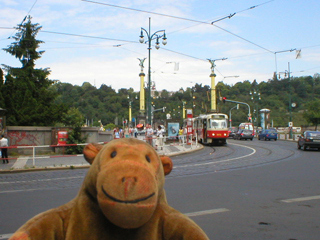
[212, 128]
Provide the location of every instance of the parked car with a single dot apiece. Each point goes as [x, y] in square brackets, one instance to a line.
[268, 134]
[244, 134]
[232, 132]
[309, 139]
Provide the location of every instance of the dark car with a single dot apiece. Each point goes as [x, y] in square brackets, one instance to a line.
[268, 134]
[244, 134]
[309, 139]
[232, 132]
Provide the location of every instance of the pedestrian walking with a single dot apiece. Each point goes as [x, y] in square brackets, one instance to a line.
[4, 150]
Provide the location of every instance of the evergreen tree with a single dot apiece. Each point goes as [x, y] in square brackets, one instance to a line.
[1, 89]
[27, 95]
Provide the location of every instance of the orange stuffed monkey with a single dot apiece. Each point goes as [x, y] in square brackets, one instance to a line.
[122, 197]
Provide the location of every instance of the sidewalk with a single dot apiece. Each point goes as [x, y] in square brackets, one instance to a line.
[27, 163]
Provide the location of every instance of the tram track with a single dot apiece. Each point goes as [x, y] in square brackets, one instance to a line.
[226, 158]
[235, 155]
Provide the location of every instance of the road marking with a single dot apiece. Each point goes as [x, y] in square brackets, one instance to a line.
[20, 163]
[5, 236]
[301, 199]
[41, 180]
[22, 190]
[226, 160]
[193, 214]
[207, 212]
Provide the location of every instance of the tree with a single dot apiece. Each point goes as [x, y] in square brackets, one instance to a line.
[312, 114]
[27, 95]
[1, 89]
[73, 118]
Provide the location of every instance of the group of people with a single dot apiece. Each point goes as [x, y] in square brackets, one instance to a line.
[4, 149]
[154, 138]
[159, 136]
[124, 133]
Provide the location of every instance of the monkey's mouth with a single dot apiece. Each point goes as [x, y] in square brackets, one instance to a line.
[126, 201]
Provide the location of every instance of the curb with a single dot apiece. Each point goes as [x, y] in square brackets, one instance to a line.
[72, 167]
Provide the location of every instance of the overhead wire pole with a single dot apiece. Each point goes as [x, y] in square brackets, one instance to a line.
[275, 58]
[213, 84]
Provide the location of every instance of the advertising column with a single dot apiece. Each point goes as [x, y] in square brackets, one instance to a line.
[265, 118]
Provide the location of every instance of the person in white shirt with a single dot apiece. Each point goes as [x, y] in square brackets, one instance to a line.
[159, 141]
[149, 135]
[4, 149]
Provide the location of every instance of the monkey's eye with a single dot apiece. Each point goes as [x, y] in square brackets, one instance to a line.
[113, 154]
[148, 158]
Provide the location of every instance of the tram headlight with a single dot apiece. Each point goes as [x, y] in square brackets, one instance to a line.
[213, 134]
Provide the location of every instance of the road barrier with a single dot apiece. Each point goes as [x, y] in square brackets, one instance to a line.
[161, 149]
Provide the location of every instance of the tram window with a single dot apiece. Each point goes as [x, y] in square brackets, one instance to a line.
[218, 124]
[214, 124]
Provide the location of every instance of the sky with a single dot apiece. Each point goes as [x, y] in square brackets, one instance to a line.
[98, 41]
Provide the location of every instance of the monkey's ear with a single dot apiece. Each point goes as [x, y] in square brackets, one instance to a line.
[90, 151]
[167, 164]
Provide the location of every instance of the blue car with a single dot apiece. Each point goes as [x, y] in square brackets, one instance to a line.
[268, 134]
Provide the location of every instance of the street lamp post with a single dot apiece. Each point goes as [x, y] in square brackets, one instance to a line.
[130, 109]
[150, 38]
[230, 116]
[290, 101]
[255, 97]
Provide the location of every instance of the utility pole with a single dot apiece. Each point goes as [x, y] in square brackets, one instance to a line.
[290, 103]
[213, 84]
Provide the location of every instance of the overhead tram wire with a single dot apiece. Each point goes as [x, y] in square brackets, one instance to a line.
[111, 39]
[232, 14]
[103, 38]
[87, 36]
[222, 18]
[144, 11]
[24, 17]
[188, 19]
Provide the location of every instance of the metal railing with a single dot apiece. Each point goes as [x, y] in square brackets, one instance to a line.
[183, 142]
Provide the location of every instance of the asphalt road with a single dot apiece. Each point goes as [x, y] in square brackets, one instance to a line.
[245, 190]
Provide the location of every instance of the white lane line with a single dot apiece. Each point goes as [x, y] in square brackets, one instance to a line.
[5, 236]
[193, 214]
[22, 190]
[226, 160]
[207, 212]
[301, 199]
[41, 180]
